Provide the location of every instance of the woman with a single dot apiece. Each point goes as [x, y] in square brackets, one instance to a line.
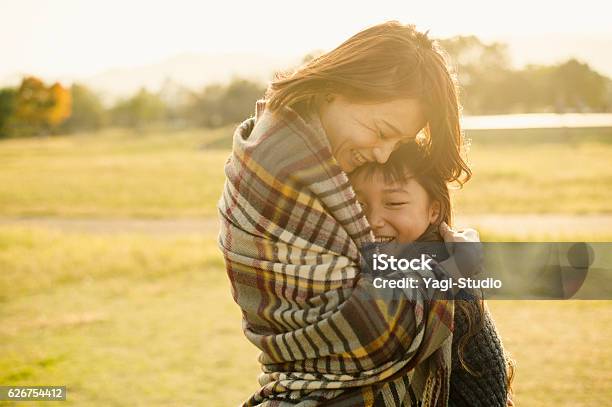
[291, 228]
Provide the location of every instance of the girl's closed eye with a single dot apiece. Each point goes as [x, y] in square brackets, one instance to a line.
[396, 204]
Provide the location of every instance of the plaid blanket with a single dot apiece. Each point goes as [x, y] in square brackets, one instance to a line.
[291, 233]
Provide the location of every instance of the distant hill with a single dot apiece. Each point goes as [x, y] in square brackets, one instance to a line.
[192, 71]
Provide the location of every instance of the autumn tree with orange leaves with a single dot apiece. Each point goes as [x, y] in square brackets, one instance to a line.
[40, 109]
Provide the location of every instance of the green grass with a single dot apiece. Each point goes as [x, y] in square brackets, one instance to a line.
[180, 174]
[538, 178]
[561, 349]
[149, 321]
[121, 320]
[114, 173]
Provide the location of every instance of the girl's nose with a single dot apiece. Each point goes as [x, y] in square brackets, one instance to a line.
[376, 221]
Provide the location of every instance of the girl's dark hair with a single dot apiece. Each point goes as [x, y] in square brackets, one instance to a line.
[412, 160]
[386, 62]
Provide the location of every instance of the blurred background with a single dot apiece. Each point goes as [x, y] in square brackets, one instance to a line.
[115, 123]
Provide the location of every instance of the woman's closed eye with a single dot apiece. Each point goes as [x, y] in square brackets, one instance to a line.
[399, 140]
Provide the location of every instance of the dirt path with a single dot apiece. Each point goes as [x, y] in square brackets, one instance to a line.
[514, 224]
[119, 225]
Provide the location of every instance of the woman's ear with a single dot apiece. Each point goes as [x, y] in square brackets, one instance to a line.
[434, 212]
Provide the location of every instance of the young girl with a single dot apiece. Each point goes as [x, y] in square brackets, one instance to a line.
[405, 200]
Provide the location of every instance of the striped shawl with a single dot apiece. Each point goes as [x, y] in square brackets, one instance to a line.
[291, 230]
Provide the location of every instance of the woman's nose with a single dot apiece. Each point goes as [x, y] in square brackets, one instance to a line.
[381, 153]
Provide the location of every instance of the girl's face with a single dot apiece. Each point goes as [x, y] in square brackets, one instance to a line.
[360, 133]
[398, 212]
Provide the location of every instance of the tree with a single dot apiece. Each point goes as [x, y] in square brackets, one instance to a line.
[239, 100]
[7, 108]
[142, 109]
[87, 110]
[578, 88]
[473, 58]
[40, 109]
[489, 85]
[219, 105]
[482, 69]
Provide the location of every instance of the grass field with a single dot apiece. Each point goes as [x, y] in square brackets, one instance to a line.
[149, 321]
[141, 319]
[122, 321]
[118, 174]
[113, 174]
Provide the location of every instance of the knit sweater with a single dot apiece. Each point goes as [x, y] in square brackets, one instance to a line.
[483, 354]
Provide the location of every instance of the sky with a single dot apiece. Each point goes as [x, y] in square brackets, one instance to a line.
[80, 38]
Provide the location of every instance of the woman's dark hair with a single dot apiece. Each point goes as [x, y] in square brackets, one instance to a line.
[386, 62]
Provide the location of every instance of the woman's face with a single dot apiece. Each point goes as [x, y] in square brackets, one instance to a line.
[397, 212]
[360, 133]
